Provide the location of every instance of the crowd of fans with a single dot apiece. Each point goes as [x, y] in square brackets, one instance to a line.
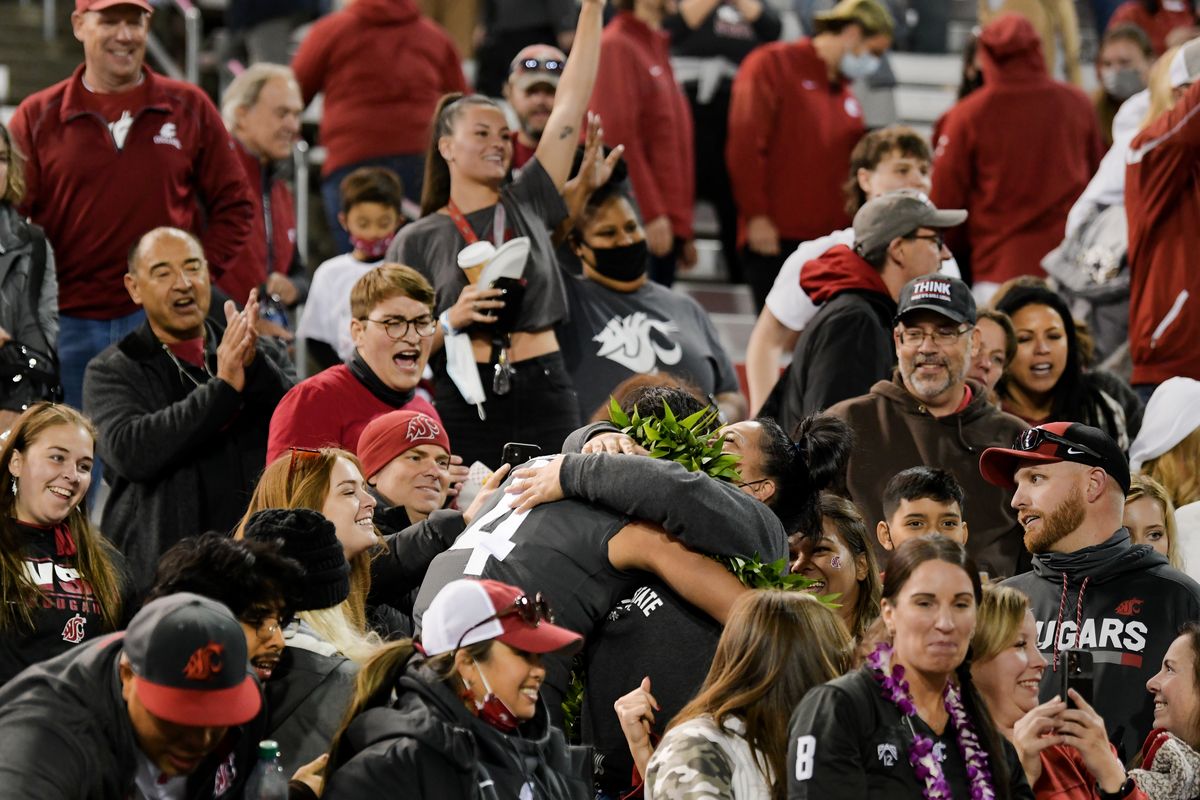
[522, 533]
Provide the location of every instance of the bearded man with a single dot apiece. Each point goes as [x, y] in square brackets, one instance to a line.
[1090, 586]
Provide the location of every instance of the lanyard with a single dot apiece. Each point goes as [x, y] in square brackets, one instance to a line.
[468, 234]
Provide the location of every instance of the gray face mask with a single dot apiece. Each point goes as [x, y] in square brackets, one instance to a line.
[858, 66]
[1121, 84]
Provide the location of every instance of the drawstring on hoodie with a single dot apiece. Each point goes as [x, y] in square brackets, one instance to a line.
[1062, 606]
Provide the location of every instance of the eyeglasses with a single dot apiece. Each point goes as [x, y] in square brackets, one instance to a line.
[936, 238]
[298, 454]
[266, 624]
[396, 328]
[1034, 438]
[532, 612]
[943, 337]
[542, 65]
[744, 484]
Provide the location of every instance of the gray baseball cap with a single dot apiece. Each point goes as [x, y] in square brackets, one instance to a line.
[898, 213]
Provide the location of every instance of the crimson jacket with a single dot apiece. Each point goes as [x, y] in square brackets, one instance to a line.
[263, 253]
[791, 131]
[1016, 154]
[645, 110]
[95, 201]
[1162, 204]
[382, 67]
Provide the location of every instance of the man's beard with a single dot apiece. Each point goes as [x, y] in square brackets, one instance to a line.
[1060, 522]
[926, 388]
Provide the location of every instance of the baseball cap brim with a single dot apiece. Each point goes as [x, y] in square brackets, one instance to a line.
[529, 79]
[235, 705]
[100, 5]
[945, 218]
[545, 637]
[998, 465]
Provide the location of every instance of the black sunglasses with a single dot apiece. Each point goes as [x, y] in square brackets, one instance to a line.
[1034, 438]
[532, 612]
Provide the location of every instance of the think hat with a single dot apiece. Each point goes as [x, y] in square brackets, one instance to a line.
[100, 5]
[396, 432]
[1170, 417]
[189, 661]
[1051, 443]
[537, 63]
[942, 294]
[898, 213]
[1185, 66]
[467, 612]
[870, 14]
[310, 539]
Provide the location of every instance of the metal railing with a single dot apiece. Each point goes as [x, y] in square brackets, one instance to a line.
[192, 34]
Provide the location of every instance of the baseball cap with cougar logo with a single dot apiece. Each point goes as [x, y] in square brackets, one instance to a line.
[1051, 443]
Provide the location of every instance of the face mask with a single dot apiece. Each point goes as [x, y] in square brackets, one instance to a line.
[492, 709]
[624, 263]
[858, 66]
[1121, 84]
[374, 249]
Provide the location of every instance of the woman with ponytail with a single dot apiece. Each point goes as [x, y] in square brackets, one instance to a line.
[909, 723]
[460, 715]
[499, 356]
[60, 583]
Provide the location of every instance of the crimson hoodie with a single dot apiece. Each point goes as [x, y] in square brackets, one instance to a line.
[382, 67]
[1162, 204]
[1016, 154]
[848, 345]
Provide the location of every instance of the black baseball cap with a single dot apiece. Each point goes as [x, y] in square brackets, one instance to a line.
[942, 294]
[189, 661]
[1051, 443]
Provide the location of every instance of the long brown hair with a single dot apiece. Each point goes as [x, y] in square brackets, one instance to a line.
[846, 517]
[94, 557]
[435, 190]
[13, 188]
[775, 647]
[300, 479]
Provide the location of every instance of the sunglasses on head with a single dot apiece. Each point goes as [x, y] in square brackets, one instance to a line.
[542, 65]
[297, 454]
[531, 611]
[1034, 438]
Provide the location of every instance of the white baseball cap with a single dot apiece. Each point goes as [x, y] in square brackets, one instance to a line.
[467, 611]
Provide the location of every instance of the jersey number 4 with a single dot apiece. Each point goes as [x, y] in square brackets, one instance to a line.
[490, 535]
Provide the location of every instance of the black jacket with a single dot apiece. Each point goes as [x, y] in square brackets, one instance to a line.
[396, 574]
[307, 698]
[67, 734]
[180, 458]
[1131, 603]
[425, 744]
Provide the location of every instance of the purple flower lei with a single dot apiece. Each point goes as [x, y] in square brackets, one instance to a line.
[920, 754]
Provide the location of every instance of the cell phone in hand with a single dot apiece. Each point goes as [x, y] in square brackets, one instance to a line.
[1076, 674]
[517, 453]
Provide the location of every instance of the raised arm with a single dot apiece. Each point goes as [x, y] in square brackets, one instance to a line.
[556, 150]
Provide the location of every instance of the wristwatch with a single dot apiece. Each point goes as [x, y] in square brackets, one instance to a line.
[1126, 788]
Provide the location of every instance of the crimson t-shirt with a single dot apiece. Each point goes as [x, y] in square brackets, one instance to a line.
[117, 109]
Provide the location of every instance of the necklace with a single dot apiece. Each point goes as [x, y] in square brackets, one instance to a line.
[184, 372]
[921, 753]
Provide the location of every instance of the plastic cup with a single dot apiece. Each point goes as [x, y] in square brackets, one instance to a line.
[474, 257]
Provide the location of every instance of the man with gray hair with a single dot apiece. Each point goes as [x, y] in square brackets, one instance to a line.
[261, 109]
[848, 346]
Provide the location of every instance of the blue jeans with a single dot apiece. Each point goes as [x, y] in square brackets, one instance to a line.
[410, 169]
[79, 341]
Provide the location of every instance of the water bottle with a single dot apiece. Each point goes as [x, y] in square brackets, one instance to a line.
[267, 781]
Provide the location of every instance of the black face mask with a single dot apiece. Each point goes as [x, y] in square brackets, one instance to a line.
[624, 263]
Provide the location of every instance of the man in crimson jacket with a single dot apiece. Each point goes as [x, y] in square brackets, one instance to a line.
[114, 151]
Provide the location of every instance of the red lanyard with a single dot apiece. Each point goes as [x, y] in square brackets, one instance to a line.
[468, 234]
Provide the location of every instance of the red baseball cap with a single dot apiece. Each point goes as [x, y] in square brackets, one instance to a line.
[190, 664]
[396, 432]
[467, 611]
[100, 5]
[1051, 443]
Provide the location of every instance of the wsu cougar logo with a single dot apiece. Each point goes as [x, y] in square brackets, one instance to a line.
[1130, 607]
[887, 753]
[204, 663]
[73, 631]
[627, 340]
[422, 427]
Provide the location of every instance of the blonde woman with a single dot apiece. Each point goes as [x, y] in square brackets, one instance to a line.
[1150, 518]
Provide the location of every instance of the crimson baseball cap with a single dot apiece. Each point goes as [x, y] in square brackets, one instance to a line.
[394, 433]
[467, 611]
[189, 661]
[537, 63]
[1051, 443]
[100, 5]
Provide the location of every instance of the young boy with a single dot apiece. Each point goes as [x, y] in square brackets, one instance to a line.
[371, 214]
[921, 500]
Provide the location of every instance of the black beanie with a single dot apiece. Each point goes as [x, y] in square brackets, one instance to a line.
[312, 540]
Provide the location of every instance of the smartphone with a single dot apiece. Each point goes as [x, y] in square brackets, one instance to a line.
[1076, 674]
[517, 453]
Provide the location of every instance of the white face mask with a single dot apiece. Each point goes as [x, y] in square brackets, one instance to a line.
[857, 66]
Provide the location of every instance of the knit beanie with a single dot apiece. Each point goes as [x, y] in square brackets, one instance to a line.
[396, 432]
[310, 539]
